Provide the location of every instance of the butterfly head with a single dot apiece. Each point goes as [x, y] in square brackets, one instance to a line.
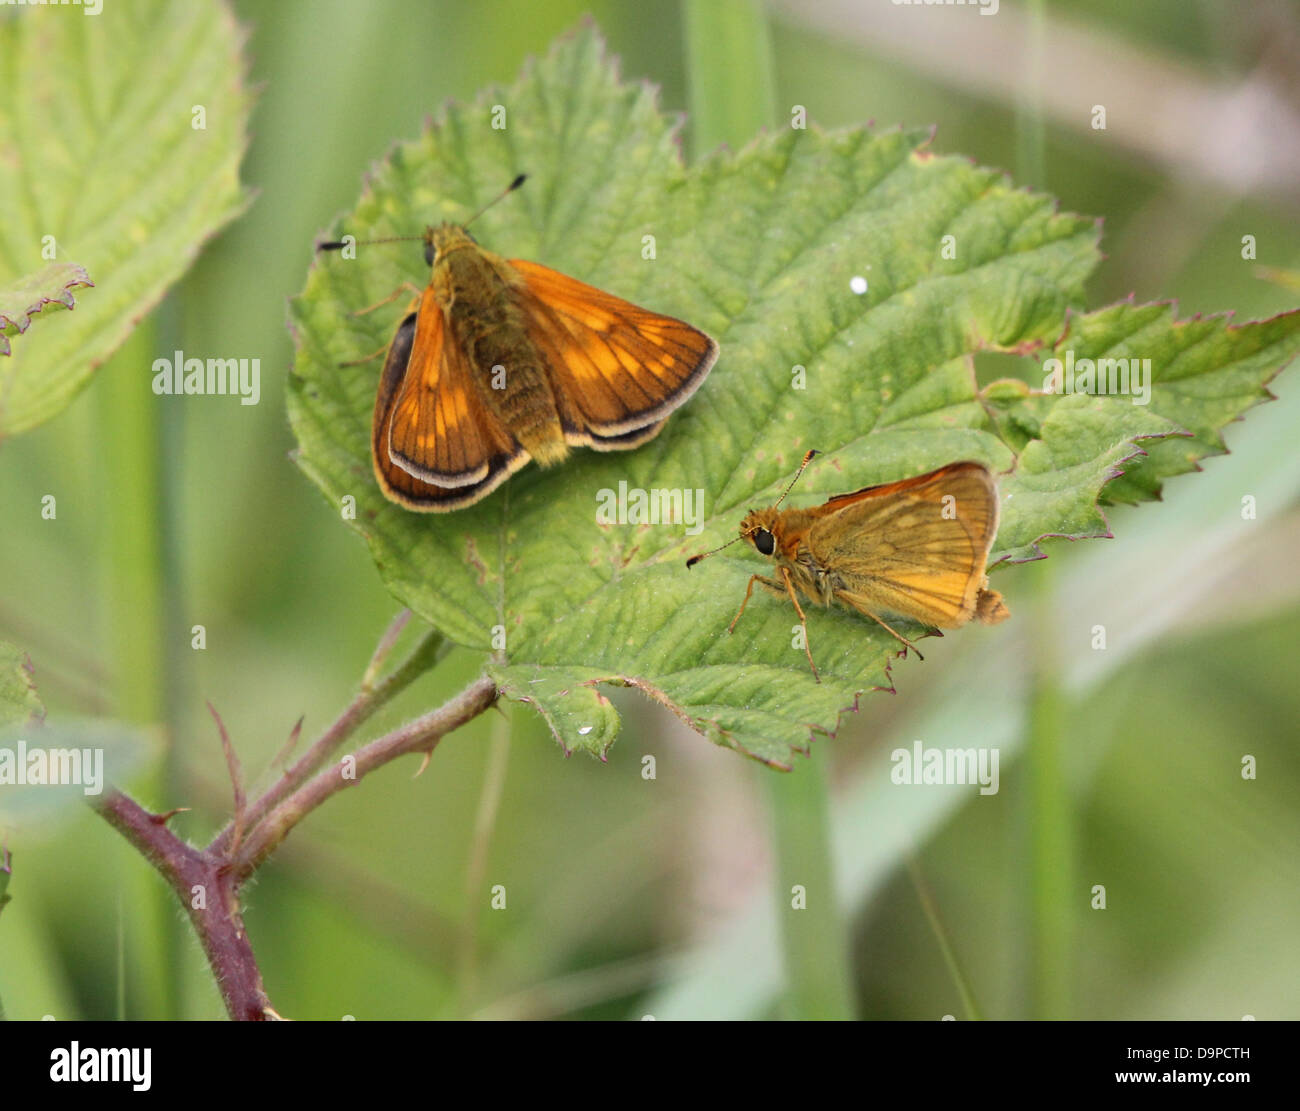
[760, 528]
[442, 240]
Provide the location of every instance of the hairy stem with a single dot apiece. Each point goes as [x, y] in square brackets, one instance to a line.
[420, 735]
[206, 889]
[364, 706]
[207, 881]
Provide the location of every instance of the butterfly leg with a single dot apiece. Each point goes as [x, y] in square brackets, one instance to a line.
[405, 287]
[896, 633]
[367, 358]
[748, 591]
[789, 586]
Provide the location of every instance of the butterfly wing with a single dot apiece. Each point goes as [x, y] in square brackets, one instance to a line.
[916, 547]
[435, 445]
[618, 369]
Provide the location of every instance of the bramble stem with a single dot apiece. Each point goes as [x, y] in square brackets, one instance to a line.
[207, 880]
[367, 702]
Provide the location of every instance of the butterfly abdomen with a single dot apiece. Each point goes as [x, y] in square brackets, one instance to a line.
[506, 365]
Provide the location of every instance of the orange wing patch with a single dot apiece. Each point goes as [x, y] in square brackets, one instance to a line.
[434, 444]
[618, 370]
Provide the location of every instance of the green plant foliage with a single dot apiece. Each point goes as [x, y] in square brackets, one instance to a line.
[19, 702]
[763, 248]
[99, 150]
[51, 285]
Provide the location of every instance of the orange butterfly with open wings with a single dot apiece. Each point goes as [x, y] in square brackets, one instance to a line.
[498, 361]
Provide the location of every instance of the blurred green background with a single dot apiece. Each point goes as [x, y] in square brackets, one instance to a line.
[629, 897]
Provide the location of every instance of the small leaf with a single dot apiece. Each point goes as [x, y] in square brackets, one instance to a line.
[102, 161]
[860, 265]
[576, 712]
[30, 294]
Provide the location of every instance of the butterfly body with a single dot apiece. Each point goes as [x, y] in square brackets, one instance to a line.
[499, 361]
[476, 292]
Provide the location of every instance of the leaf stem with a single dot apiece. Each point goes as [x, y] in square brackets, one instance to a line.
[207, 881]
[206, 888]
[420, 735]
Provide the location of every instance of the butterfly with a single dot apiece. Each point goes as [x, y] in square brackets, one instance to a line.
[498, 361]
[917, 548]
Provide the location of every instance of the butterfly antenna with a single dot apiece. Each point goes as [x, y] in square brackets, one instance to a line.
[806, 460]
[500, 196]
[705, 555]
[339, 244]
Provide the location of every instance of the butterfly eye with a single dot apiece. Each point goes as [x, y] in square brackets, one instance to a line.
[430, 253]
[764, 541]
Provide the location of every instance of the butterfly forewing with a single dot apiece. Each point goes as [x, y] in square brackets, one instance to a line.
[616, 368]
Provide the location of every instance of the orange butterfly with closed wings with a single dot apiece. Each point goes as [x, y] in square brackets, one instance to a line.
[917, 547]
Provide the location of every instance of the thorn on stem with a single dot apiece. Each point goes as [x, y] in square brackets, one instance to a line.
[282, 756]
[236, 779]
[163, 819]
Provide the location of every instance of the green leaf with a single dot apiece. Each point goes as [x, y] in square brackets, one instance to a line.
[51, 285]
[100, 153]
[19, 703]
[1205, 373]
[1085, 442]
[761, 248]
[1208, 373]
